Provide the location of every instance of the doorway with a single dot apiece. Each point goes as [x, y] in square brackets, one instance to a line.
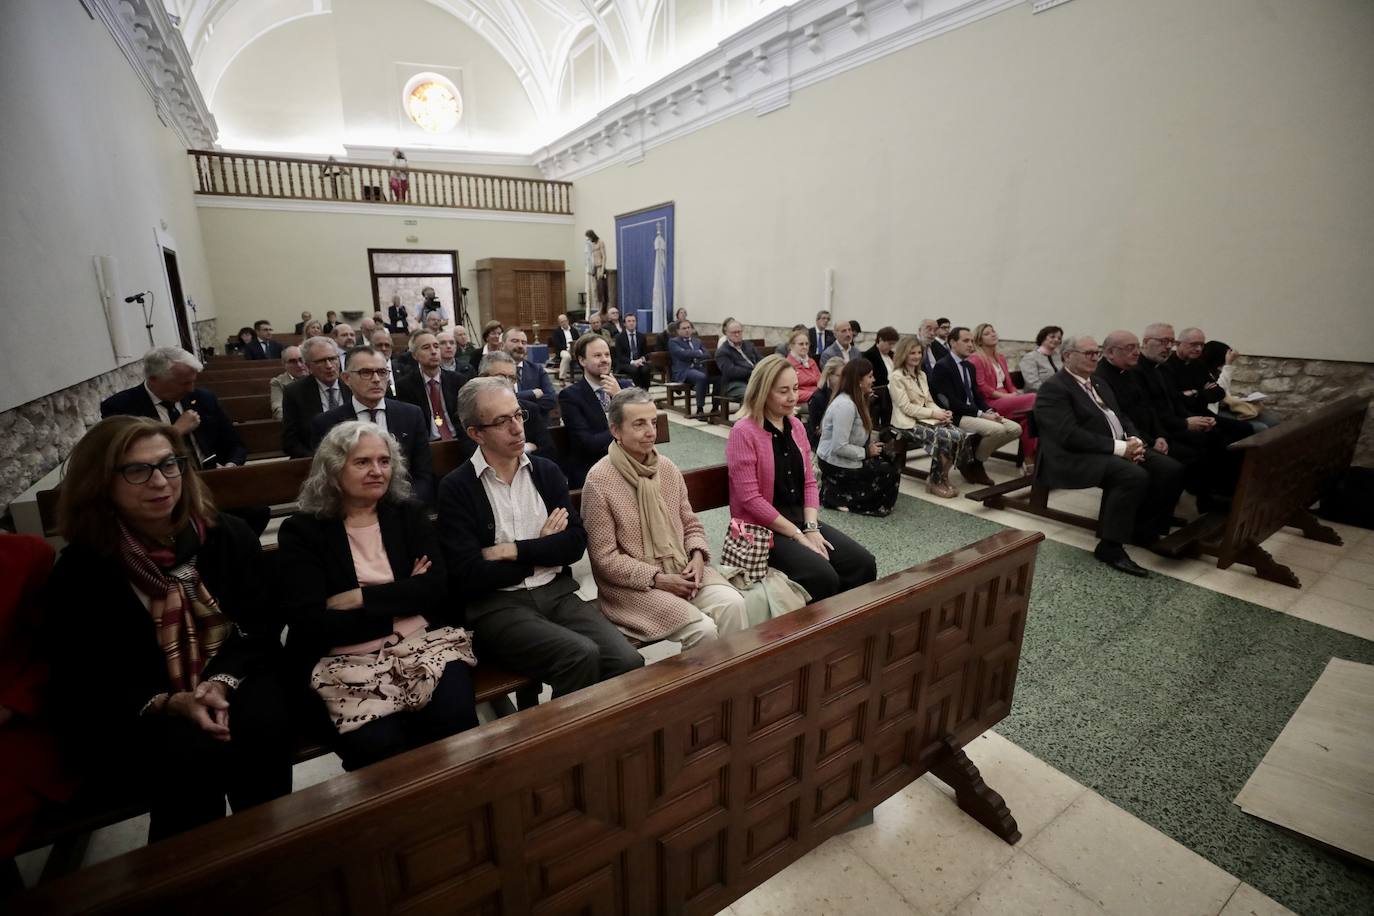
[169, 260]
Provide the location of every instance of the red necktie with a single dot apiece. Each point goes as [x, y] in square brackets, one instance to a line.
[436, 405]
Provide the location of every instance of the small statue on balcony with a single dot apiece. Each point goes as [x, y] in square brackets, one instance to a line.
[400, 175]
[596, 271]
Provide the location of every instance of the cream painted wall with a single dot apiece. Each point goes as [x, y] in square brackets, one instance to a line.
[88, 170]
[1103, 164]
[273, 264]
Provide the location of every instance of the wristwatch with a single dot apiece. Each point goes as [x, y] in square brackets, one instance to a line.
[811, 526]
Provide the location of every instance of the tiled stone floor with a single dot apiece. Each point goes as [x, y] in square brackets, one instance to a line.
[1080, 852]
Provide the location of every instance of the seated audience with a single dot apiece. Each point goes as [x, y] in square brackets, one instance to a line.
[934, 346]
[954, 387]
[537, 438]
[1161, 384]
[169, 395]
[262, 346]
[160, 600]
[466, 348]
[784, 346]
[772, 485]
[381, 342]
[433, 323]
[879, 355]
[313, 328]
[242, 341]
[632, 353]
[307, 398]
[491, 342]
[594, 326]
[647, 547]
[807, 369]
[330, 318]
[610, 320]
[1088, 442]
[1040, 363]
[509, 536]
[1218, 358]
[367, 606]
[366, 374]
[826, 385]
[293, 364]
[1193, 380]
[820, 337]
[843, 345]
[397, 315]
[560, 343]
[584, 405]
[300, 325]
[532, 381]
[735, 358]
[344, 338]
[365, 329]
[689, 363]
[448, 351]
[922, 422]
[679, 315]
[854, 478]
[431, 388]
[34, 773]
[993, 378]
[942, 331]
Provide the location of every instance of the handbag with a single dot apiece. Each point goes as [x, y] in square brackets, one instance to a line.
[1241, 410]
[746, 547]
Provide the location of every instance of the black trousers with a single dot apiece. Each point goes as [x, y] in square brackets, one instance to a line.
[637, 374]
[185, 774]
[1137, 499]
[551, 635]
[850, 564]
[450, 710]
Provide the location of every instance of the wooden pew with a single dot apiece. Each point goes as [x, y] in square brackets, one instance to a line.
[675, 788]
[238, 388]
[245, 368]
[245, 407]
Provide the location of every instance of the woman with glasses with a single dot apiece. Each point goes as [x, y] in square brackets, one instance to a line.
[367, 603]
[164, 675]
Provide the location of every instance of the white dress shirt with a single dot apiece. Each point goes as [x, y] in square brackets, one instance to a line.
[1118, 431]
[518, 510]
[366, 413]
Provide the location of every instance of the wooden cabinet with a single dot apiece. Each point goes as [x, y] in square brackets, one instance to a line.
[522, 292]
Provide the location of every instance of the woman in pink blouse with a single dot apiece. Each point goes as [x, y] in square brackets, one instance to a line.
[808, 372]
[772, 485]
[993, 378]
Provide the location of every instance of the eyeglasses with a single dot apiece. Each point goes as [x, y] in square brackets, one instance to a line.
[323, 360]
[370, 373]
[140, 473]
[1091, 354]
[1167, 341]
[519, 417]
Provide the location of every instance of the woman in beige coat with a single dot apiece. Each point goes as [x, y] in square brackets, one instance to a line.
[647, 547]
[922, 422]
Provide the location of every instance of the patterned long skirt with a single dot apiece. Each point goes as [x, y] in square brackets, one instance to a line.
[867, 490]
[940, 442]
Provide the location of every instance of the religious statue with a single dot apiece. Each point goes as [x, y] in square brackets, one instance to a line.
[596, 272]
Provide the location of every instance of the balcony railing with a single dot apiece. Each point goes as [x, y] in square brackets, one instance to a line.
[243, 175]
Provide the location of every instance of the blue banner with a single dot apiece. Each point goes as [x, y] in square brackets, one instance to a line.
[637, 262]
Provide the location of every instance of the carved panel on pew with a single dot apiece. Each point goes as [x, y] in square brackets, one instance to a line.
[676, 788]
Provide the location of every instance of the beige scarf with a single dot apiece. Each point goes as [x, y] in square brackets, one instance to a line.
[661, 542]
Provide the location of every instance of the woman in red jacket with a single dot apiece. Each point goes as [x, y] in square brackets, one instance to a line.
[993, 379]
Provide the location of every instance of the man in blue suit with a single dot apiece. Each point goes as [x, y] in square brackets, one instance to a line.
[584, 405]
[367, 375]
[952, 384]
[262, 346]
[531, 380]
[169, 394]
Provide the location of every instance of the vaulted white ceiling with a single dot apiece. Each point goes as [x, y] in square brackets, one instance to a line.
[570, 57]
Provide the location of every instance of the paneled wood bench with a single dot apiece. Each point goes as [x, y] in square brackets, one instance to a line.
[673, 789]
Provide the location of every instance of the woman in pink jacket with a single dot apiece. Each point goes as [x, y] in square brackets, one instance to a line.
[772, 484]
[993, 378]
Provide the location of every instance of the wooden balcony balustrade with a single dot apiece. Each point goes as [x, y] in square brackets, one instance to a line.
[222, 174]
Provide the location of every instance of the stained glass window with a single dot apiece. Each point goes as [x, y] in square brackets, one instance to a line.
[433, 102]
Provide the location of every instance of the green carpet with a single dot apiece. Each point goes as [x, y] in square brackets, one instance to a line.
[1160, 695]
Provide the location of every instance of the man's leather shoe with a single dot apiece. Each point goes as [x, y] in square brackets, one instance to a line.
[1125, 564]
[974, 472]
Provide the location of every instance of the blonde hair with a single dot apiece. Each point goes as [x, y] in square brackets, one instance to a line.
[761, 382]
[86, 514]
[833, 366]
[904, 347]
[799, 332]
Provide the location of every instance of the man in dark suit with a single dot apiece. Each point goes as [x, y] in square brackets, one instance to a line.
[820, 336]
[300, 325]
[169, 394]
[952, 385]
[880, 356]
[537, 438]
[935, 349]
[262, 346]
[1087, 441]
[736, 359]
[584, 405]
[306, 398]
[512, 567]
[632, 353]
[433, 389]
[366, 377]
[611, 321]
[531, 380]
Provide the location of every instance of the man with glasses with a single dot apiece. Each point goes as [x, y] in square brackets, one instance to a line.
[262, 346]
[1086, 440]
[432, 388]
[367, 376]
[537, 438]
[293, 367]
[510, 535]
[169, 394]
[307, 398]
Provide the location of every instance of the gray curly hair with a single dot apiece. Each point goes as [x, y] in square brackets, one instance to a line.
[320, 494]
[160, 360]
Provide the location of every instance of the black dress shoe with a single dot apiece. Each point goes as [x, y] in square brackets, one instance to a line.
[974, 473]
[1125, 564]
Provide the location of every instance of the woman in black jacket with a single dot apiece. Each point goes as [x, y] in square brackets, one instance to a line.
[163, 644]
[366, 603]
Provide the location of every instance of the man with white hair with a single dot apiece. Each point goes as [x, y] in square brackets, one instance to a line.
[935, 349]
[1087, 440]
[169, 394]
[308, 397]
[293, 367]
